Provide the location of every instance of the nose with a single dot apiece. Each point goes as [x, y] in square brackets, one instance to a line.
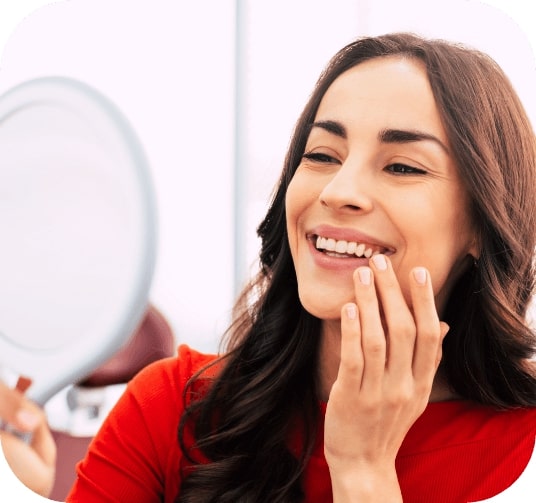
[349, 189]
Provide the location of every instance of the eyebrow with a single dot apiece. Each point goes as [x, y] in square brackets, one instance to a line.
[332, 127]
[385, 135]
[409, 136]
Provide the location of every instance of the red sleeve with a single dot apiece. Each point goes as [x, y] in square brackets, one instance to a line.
[465, 452]
[136, 456]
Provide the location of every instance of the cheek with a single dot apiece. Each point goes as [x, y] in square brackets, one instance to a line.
[297, 200]
[291, 218]
[441, 243]
[441, 225]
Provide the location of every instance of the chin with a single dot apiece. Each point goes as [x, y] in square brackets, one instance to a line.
[324, 307]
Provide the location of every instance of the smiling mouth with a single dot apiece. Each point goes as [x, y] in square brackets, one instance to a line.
[347, 249]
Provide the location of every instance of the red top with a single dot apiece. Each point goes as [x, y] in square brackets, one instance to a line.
[455, 452]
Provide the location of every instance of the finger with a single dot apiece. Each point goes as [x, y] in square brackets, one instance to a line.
[10, 403]
[444, 328]
[373, 341]
[351, 364]
[24, 416]
[399, 322]
[18, 411]
[429, 329]
[42, 441]
[33, 420]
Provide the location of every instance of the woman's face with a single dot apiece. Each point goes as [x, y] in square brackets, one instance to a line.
[376, 177]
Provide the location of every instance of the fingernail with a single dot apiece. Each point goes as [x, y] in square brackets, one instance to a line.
[420, 274]
[27, 419]
[351, 311]
[380, 262]
[364, 275]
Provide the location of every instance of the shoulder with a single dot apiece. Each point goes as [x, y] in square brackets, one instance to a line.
[522, 418]
[519, 421]
[153, 401]
[464, 422]
[169, 375]
[154, 398]
[136, 456]
[474, 451]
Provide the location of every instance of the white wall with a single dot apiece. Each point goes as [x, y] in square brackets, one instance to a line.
[170, 66]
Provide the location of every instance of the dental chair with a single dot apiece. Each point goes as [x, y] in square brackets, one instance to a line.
[77, 412]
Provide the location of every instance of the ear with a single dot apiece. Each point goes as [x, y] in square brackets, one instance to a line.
[475, 248]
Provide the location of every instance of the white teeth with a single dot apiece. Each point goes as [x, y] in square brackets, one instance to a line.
[341, 246]
[330, 244]
[344, 247]
[360, 250]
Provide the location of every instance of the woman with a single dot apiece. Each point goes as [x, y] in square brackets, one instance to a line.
[382, 354]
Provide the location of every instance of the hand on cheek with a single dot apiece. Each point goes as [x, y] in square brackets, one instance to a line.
[389, 356]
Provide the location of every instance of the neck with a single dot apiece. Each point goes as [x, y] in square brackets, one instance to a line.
[329, 359]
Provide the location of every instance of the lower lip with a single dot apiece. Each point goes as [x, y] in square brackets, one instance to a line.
[343, 264]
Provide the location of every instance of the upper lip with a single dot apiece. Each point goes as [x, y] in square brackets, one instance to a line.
[350, 235]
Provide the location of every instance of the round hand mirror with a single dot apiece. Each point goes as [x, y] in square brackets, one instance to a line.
[77, 221]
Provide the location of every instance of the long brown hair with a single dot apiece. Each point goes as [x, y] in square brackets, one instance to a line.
[267, 384]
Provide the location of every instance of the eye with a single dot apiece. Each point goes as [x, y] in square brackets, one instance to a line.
[319, 157]
[404, 169]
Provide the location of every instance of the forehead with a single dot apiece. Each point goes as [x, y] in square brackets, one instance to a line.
[392, 91]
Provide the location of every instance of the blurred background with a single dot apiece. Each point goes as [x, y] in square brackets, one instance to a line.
[213, 89]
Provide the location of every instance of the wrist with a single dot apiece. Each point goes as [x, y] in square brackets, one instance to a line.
[365, 485]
